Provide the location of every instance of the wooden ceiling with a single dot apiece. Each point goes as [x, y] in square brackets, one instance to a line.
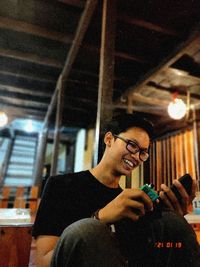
[157, 53]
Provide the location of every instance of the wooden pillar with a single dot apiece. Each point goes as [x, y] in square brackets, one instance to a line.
[129, 111]
[196, 150]
[81, 30]
[106, 72]
[59, 91]
[42, 142]
[58, 125]
[70, 157]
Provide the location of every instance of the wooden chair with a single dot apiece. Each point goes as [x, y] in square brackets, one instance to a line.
[33, 199]
[15, 245]
[20, 198]
[4, 197]
[20, 201]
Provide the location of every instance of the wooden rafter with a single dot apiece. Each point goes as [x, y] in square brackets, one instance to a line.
[118, 54]
[21, 26]
[30, 57]
[26, 76]
[76, 3]
[23, 102]
[26, 91]
[189, 47]
[147, 25]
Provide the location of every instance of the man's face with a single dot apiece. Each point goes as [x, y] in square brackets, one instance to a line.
[122, 160]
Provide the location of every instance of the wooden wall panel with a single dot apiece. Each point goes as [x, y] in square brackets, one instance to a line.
[171, 157]
[168, 149]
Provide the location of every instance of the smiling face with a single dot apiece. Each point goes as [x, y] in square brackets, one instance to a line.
[119, 159]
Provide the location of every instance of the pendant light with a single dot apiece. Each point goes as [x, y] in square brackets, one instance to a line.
[3, 118]
[177, 108]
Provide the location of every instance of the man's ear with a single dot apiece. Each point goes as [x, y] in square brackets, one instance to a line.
[107, 138]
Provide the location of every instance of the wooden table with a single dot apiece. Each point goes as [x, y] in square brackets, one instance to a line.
[15, 240]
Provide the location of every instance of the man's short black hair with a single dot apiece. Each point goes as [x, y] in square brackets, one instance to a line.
[123, 122]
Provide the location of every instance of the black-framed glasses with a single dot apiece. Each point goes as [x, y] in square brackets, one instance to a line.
[133, 148]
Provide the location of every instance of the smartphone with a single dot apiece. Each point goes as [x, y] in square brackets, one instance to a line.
[186, 181]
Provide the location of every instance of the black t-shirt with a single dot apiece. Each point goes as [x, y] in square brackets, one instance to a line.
[69, 198]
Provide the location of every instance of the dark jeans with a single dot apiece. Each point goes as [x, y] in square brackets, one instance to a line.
[87, 243]
[159, 239]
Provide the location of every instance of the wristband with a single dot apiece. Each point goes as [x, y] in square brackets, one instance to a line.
[95, 215]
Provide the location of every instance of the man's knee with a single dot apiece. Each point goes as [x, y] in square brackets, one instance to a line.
[87, 242]
[86, 229]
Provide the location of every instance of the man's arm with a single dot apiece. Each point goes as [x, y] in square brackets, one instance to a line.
[44, 249]
[130, 203]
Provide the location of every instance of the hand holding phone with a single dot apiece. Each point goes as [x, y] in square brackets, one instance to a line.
[186, 181]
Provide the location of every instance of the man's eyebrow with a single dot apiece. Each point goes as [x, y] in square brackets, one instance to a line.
[136, 142]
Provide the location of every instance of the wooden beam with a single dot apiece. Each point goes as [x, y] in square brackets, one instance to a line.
[180, 73]
[82, 83]
[81, 29]
[76, 3]
[180, 89]
[186, 47]
[22, 112]
[23, 102]
[28, 77]
[95, 75]
[42, 143]
[150, 100]
[145, 104]
[59, 91]
[72, 108]
[140, 107]
[85, 72]
[118, 54]
[58, 124]
[29, 57]
[131, 57]
[106, 72]
[26, 91]
[88, 102]
[28, 28]
[196, 147]
[80, 32]
[146, 25]
[20, 26]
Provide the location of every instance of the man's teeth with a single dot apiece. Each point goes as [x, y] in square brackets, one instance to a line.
[129, 162]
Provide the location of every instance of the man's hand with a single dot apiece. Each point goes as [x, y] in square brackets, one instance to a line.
[131, 203]
[170, 200]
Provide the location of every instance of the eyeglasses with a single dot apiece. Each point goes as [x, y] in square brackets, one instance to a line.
[133, 148]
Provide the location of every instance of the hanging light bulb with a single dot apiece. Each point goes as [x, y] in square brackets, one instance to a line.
[3, 119]
[29, 126]
[177, 108]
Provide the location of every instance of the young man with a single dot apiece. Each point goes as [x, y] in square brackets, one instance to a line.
[86, 219]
